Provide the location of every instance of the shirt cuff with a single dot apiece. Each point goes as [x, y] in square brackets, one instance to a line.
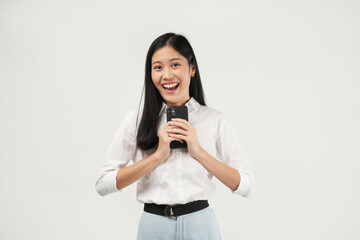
[246, 186]
[109, 181]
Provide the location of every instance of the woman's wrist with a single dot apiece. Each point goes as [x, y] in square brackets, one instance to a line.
[200, 152]
[158, 156]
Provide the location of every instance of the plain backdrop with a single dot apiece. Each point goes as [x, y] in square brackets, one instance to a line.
[285, 73]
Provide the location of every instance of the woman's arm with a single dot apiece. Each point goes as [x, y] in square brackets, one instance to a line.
[183, 130]
[114, 174]
[128, 175]
[227, 175]
[233, 171]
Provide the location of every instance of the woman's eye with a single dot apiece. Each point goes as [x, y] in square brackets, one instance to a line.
[176, 65]
[157, 67]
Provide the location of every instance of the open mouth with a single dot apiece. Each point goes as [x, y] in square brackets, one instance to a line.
[170, 87]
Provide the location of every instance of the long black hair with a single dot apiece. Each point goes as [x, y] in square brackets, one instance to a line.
[147, 137]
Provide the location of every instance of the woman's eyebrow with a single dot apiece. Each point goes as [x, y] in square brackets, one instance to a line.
[173, 59]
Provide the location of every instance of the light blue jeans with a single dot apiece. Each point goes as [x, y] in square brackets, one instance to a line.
[200, 225]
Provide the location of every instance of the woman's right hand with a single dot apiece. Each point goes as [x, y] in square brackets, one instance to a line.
[163, 150]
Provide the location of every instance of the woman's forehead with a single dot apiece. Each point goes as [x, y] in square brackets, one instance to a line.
[166, 53]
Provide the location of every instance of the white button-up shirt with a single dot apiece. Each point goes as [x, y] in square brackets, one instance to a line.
[180, 178]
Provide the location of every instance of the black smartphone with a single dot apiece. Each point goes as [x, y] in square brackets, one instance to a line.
[177, 112]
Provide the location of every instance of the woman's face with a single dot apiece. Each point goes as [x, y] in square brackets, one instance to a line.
[170, 73]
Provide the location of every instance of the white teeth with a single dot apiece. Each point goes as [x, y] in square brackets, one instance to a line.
[170, 85]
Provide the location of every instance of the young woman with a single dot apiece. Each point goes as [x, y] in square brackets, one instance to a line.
[175, 184]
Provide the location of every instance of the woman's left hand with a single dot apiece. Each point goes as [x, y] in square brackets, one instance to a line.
[183, 130]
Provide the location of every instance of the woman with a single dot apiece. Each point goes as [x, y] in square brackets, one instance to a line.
[175, 184]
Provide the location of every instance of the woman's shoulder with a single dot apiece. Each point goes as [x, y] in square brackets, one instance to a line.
[212, 112]
[127, 124]
[132, 117]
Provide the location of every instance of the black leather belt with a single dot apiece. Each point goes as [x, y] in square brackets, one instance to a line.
[173, 211]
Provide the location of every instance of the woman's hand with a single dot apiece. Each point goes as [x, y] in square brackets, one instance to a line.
[183, 130]
[163, 150]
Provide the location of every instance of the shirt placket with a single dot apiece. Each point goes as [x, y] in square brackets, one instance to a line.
[179, 174]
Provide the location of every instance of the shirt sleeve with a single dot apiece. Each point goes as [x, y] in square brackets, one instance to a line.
[120, 152]
[232, 154]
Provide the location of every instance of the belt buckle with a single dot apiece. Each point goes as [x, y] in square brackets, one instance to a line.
[172, 216]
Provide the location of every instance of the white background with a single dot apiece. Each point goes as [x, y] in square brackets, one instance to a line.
[286, 74]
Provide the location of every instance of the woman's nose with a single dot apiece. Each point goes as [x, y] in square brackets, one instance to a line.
[167, 73]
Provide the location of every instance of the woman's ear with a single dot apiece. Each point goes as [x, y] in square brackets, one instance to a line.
[192, 70]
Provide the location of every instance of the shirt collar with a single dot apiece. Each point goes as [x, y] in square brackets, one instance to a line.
[191, 104]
